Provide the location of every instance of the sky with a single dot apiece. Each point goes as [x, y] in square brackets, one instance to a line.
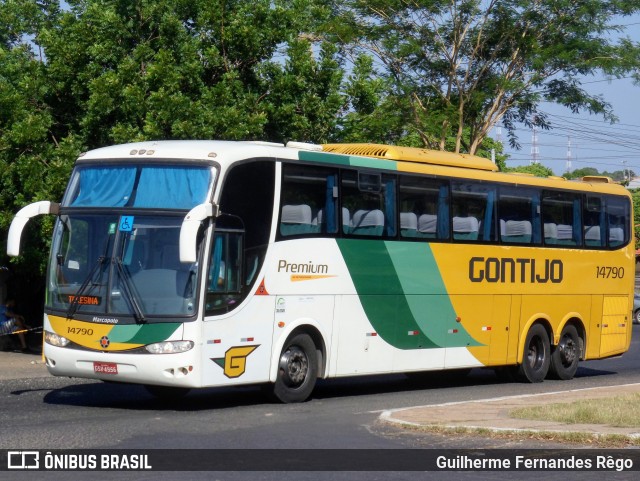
[594, 142]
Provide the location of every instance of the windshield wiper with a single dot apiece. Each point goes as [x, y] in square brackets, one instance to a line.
[129, 292]
[75, 303]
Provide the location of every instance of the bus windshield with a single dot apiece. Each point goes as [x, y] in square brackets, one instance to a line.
[120, 265]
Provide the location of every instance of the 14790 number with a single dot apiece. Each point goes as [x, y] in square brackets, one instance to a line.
[607, 272]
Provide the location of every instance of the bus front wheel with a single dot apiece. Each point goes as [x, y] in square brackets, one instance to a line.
[537, 355]
[565, 357]
[297, 370]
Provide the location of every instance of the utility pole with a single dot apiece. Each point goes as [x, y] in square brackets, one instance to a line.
[535, 151]
[498, 139]
[568, 166]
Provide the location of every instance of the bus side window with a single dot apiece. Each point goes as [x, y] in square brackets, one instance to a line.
[473, 207]
[562, 210]
[594, 220]
[519, 214]
[424, 208]
[309, 201]
[224, 280]
[618, 220]
[369, 204]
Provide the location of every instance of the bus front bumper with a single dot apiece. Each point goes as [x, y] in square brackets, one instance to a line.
[179, 370]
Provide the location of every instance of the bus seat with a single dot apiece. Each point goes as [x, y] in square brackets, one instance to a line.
[592, 235]
[565, 234]
[296, 219]
[550, 233]
[346, 220]
[465, 228]
[428, 225]
[368, 222]
[518, 231]
[616, 236]
[408, 224]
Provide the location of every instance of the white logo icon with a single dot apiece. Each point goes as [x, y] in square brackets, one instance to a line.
[23, 460]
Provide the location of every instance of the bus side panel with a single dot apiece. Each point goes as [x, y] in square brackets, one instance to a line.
[616, 325]
[487, 319]
[236, 347]
[594, 328]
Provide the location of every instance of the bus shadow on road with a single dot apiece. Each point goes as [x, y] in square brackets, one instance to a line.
[135, 397]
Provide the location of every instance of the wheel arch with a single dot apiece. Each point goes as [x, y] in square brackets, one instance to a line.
[576, 321]
[303, 326]
[545, 322]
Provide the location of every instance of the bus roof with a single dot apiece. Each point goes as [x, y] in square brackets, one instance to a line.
[207, 150]
[413, 154]
[412, 159]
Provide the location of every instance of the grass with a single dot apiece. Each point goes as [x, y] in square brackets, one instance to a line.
[619, 411]
[603, 441]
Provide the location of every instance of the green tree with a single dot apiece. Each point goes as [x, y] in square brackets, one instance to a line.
[139, 69]
[459, 67]
[538, 170]
[98, 72]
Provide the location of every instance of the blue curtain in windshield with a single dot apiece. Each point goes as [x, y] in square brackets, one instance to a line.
[105, 186]
[172, 187]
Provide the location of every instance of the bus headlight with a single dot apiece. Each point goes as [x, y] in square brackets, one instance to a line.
[55, 340]
[169, 347]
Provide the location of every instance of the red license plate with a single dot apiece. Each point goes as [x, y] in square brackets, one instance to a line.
[105, 368]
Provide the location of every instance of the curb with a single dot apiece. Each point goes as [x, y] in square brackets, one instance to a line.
[493, 414]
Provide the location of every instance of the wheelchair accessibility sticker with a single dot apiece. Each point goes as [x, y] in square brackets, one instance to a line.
[126, 223]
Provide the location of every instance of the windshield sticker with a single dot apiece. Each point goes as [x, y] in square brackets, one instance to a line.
[126, 223]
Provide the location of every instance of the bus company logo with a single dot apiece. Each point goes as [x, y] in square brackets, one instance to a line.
[104, 342]
[234, 362]
[304, 271]
[519, 270]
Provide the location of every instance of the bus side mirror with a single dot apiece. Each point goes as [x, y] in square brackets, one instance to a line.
[190, 227]
[20, 220]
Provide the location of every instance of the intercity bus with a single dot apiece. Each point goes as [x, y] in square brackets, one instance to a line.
[188, 264]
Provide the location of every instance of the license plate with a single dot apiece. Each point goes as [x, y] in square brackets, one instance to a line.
[105, 368]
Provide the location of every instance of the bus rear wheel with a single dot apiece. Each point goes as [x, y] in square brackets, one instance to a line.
[537, 356]
[565, 356]
[297, 370]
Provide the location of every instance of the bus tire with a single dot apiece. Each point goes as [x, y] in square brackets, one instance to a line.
[536, 357]
[297, 370]
[565, 356]
[167, 393]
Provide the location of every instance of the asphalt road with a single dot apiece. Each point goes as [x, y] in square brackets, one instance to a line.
[56, 413]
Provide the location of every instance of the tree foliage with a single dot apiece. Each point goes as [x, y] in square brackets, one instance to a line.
[99, 72]
[456, 68]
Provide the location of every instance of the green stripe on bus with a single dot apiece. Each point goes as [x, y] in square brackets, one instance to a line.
[368, 162]
[403, 294]
[143, 334]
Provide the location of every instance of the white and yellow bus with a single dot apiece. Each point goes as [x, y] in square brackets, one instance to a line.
[187, 264]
